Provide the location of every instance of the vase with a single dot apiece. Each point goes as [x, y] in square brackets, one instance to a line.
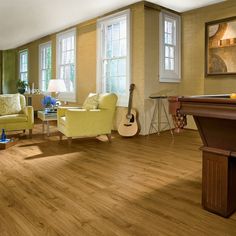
[21, 90]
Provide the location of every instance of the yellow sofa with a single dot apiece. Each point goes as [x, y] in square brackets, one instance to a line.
[93, 122]
[22, 120]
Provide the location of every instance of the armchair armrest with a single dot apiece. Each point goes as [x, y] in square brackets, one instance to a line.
[29, 112]
[61, 111]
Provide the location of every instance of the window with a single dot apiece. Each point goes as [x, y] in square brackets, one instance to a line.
[113, 63]
[169, 47]
[45, 65]
[66, 57]
[23, 72]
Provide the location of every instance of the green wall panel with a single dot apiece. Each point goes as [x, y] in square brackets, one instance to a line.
[9, 73]
[0, 72]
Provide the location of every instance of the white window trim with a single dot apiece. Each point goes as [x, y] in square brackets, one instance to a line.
[49, 43]
[66, 96]
[100, 23]
[19, 64]
[168, 76]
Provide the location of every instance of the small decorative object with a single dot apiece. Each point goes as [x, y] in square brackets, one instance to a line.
[32, 89]
[37, 91]
[21, 86]
[233, 95]
[3, 135]
[49, 103]
[220, 50]
[29, 90]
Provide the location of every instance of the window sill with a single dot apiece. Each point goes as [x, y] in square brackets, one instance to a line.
[169, 80]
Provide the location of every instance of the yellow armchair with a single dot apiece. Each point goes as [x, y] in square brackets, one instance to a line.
[19, 121]
[82, 122]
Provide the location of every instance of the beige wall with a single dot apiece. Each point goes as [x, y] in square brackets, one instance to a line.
[33, 64]
[86, 60]
[193, 51]
[151, 68]
[145, 58]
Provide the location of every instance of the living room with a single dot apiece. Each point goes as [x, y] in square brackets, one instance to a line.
[102, 183]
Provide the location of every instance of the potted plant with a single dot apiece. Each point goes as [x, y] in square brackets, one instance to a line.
[21, 86]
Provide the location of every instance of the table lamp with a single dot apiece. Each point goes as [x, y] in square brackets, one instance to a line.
[56, 86]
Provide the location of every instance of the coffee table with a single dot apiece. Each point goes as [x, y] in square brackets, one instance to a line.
[46, 118]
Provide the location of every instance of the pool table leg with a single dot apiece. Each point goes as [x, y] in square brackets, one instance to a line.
[218, 181]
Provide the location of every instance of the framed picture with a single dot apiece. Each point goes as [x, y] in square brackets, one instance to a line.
[220, 50]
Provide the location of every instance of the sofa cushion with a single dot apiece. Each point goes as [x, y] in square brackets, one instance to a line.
[91, 101]
[16, 118]
[10, 104]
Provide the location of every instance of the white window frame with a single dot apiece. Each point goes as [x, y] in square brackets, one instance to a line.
[21, 72]
[172, 76]
[66, 96]
[42, 46]
[101, 23]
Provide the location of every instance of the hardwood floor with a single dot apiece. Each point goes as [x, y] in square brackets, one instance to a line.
[136, 186]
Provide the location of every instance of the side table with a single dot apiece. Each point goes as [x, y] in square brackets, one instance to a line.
[157, 115]
[46, 117]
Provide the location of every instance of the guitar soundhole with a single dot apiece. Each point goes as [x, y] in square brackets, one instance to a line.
[130, 118]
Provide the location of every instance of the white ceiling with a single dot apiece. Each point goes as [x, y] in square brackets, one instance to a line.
[23, 21]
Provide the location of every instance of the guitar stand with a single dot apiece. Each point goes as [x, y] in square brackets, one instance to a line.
[156, 122]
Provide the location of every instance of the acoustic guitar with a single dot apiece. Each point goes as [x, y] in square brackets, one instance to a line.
[128, 126]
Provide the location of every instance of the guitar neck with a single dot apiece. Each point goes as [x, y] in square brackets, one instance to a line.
[130, 103]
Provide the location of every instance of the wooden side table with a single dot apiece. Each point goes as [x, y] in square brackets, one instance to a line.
[34, 100]
[46, 118]
[10, 143]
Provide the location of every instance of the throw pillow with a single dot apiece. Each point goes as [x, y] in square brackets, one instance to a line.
[91, 101]
[10, 104]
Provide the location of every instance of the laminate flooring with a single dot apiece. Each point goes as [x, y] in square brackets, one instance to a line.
[141, 186]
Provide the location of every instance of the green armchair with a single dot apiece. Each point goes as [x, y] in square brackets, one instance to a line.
[74, 122]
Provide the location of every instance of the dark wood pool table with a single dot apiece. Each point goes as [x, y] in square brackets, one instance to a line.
[215, 117]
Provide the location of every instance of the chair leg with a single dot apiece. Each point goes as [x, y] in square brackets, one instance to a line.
[69, 141]
[109, 137]
[30, 133]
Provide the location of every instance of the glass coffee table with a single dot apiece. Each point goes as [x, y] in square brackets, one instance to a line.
[46, 117]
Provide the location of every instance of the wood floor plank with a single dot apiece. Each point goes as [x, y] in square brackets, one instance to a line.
[132, 186]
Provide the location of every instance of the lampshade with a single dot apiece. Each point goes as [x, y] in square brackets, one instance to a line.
[56, 86]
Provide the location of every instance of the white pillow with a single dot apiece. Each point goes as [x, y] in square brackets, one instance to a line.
[10, 104]
[91, 101]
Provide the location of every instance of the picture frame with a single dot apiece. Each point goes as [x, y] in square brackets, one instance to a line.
[220, 47]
